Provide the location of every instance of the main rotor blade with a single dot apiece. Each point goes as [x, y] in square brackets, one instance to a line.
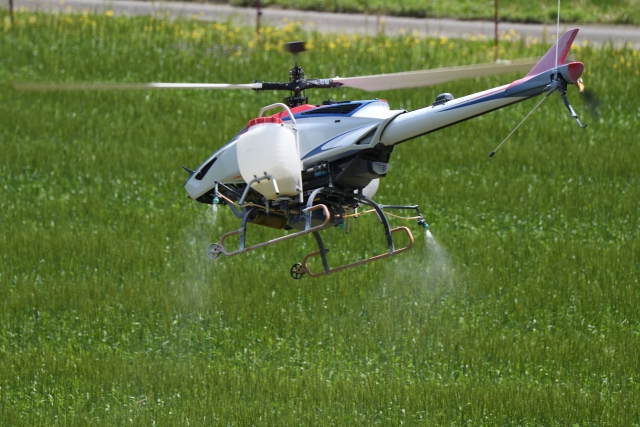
[434, 76]
[130, 86]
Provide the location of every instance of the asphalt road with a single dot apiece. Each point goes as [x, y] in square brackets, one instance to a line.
[338, 23]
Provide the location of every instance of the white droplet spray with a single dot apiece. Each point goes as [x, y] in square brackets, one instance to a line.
[212, 216]
[430, 239]
[438, 258]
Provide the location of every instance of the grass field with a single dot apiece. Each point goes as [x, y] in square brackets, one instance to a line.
[609, 11]
[526, 314]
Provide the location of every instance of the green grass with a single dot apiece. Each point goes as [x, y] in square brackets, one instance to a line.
[594, 11]
[111, 314]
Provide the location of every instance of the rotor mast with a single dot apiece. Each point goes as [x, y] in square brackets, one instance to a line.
[296, 76]
[297, 83]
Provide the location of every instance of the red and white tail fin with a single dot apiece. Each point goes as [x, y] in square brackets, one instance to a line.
[548, 61]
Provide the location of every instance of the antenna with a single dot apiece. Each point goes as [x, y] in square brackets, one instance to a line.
[557, 40]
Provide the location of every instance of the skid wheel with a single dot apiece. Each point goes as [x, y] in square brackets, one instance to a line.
[296, 271]
[213, 251]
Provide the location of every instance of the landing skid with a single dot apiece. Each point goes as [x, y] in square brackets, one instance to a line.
[300, 269]
[332, 204]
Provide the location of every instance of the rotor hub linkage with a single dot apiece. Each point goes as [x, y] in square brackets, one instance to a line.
[296, 76]
[297, 83]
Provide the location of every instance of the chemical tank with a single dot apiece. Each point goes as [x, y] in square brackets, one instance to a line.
[268, 147]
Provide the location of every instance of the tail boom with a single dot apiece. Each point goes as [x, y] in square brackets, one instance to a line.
[430, 119]
[538, 81]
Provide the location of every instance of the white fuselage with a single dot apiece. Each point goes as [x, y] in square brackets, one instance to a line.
[336, 131]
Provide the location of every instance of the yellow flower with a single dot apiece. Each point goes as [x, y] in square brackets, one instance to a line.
[197, 33]
[109, 13]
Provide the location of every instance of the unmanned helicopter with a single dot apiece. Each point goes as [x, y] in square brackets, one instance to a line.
[307, 168]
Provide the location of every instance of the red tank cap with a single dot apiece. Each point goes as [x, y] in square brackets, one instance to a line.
[261, 120]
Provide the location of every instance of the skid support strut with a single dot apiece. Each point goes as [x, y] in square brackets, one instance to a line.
[300, 269]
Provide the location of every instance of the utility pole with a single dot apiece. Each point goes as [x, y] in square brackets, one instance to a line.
[258, 14]
[11, 11]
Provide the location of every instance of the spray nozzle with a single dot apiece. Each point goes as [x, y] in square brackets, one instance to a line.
[215, 200]
[422, 223]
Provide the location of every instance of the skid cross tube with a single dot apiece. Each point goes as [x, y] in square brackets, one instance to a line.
[219, 247]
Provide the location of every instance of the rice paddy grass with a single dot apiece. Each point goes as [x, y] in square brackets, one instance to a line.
[524, 314]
